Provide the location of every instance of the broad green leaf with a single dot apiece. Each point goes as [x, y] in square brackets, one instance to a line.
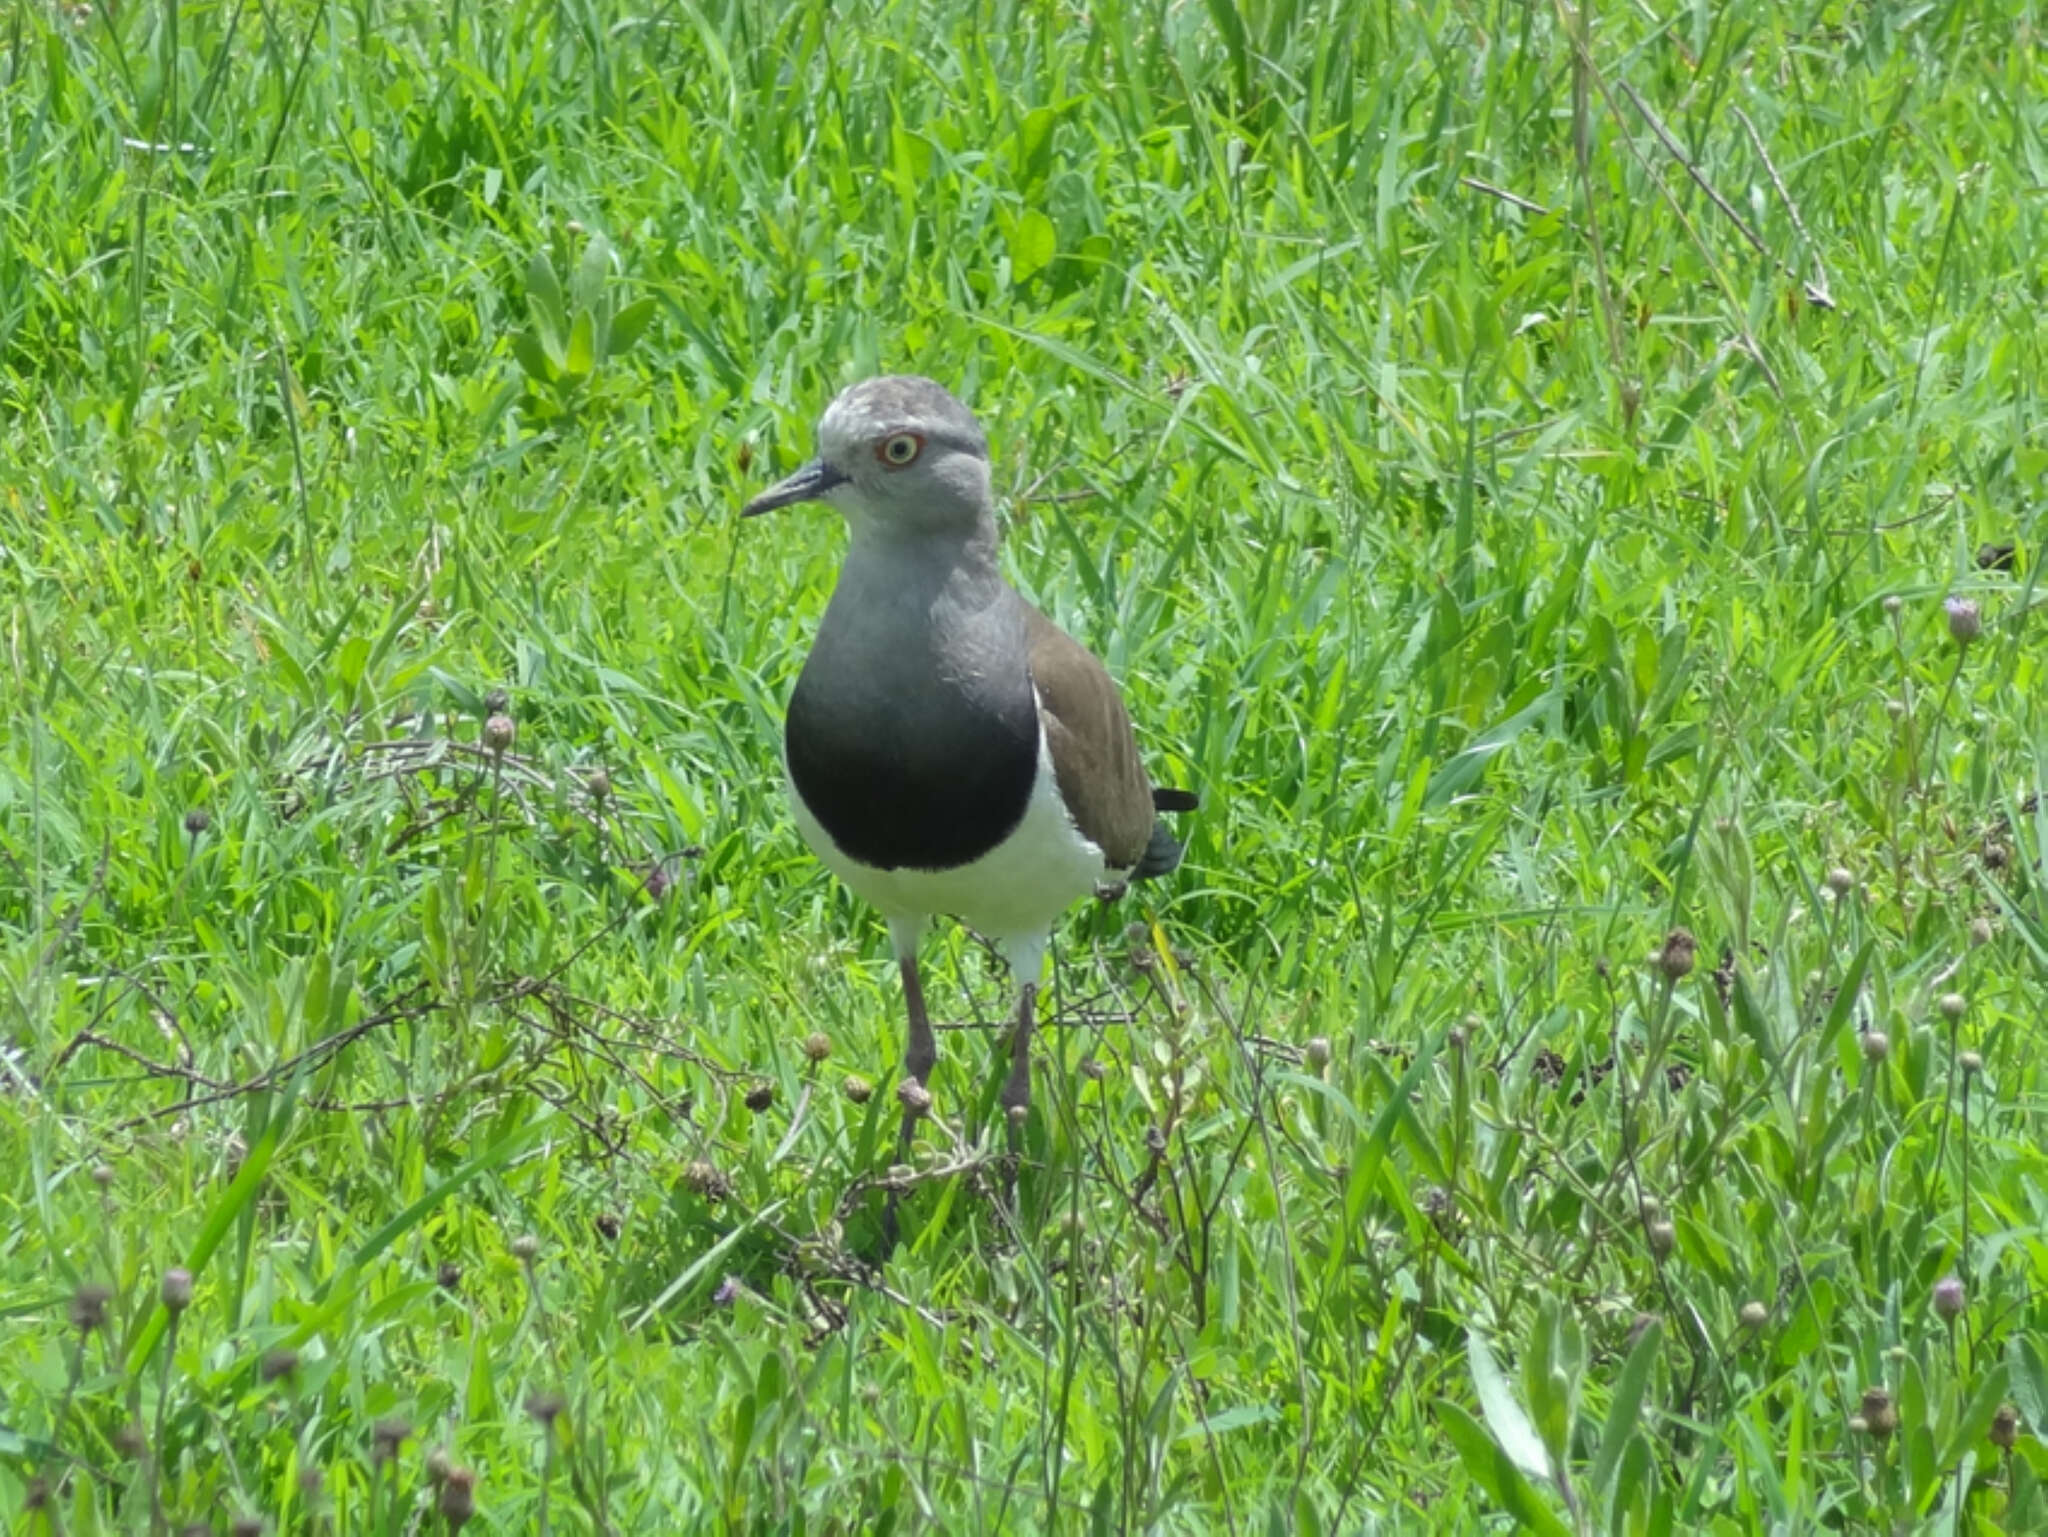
[532, 356]
[1504, 1417]
[1974, 1422]
[1033, 244]
[582, 354]
[627, 326]
[544, 293]
[586, 284]
[1495, 1472]
[2028, 1370]
[1625, 1406]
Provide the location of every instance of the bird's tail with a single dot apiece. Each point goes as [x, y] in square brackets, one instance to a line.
[1163, 851]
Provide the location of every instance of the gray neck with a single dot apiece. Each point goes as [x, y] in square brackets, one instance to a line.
[921, 634]
[899, 593]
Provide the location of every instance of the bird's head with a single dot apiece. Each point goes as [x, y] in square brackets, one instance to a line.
[899, 457]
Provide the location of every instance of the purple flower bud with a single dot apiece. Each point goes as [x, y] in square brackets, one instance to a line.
[1964, 622]
[1948, 1298]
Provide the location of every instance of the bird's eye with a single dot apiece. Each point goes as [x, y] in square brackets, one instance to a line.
[900, 450]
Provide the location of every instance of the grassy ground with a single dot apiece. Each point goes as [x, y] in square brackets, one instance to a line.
[1516, 459]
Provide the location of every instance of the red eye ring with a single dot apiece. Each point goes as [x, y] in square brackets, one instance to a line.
[899, 450]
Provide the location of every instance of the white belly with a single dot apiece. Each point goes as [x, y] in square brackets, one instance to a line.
[1011, 895]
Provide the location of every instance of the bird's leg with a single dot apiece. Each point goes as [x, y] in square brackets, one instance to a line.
[1017, 1087]
[920, 1050]
[920, 1053]
[1016, 1096]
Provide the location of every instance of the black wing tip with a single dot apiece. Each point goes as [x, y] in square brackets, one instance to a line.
[1165, 799]
[1161, 856]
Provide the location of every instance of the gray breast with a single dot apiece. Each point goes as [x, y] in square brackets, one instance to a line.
[913, 733]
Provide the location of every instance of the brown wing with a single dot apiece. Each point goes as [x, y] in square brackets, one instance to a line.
[1094, 753]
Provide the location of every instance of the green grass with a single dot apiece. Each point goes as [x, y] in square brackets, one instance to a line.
[1523, 558]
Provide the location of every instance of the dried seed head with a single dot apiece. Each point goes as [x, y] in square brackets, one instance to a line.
[88, 1309]
[1953, 1006]
[1675, 959]
[246, 1526]
[438, 1465]
[497, 702]
[449, 1276]
[2005, 1427]
[1971, 1063]
[176, 1289]
[1948, 1298]
[1316, 1053]
[706, 1180]
[500, 733]
[458, 1498]
[914, 1097]
[817, 1046]
[1753, 1315]
[103, 1175]
[131, 1440]
[609, 1225]
[1880, 1415]
[546, 1407]
[599, 784]
[857, 1089]
[197, 821]
[1093, 1070]
[1996, 856]
[1637, 1325]
[386, 1437]
[277, 1364]
[1858, 1425]
[1663, 1237]
[1895, 708]
[1841, 880]
[1017, 1115]
[1893, 603]
[525, 1248]
[1965, 624]
[1876, 1046]
[1981, 932]
[760, 1097]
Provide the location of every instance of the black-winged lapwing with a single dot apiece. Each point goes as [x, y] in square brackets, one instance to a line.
[950, 749]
